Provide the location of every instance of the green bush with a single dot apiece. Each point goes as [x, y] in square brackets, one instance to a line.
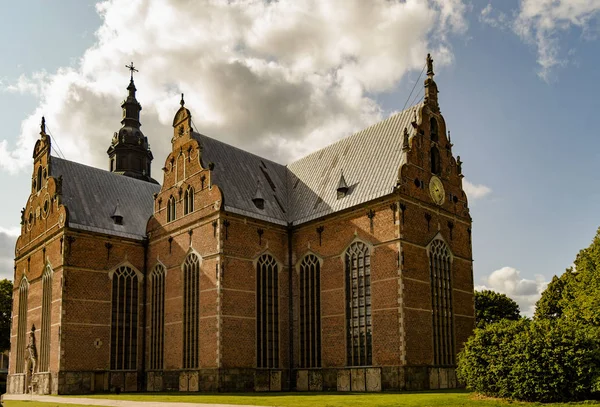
[543, 360]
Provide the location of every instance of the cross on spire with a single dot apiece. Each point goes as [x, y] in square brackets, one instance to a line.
[131, 69]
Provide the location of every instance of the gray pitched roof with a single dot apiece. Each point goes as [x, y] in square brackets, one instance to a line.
[307, 188]
[91, 196]
[370, 160]
[237, 171]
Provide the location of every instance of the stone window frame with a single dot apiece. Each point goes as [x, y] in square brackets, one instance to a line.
[157, 314]
[310, 340]
[22, 324]
[46, 334]
[361, 355]
[440, 270]
[119, 359]
[267, 312]
[191, 274]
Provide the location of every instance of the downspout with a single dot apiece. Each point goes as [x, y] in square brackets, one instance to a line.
[291, 382]
[144, 305]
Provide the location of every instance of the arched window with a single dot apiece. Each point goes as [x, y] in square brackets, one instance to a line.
[267, 312]
[191, 311]
[440, 264]
[22, 325]
[157, 328]
[436, 165]
[358, 305]
[433, 129]
[44, 364]
[171, 209]
[38, 184]
[310, 312]
[124, 325]
[188, 201]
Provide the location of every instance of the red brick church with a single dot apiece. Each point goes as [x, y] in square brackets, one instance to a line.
[349, 269]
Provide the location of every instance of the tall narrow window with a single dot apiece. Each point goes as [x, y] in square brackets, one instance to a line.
[267, 313]
[433, 129]
[191, 311]
[171, 209]
[124, 326]
[157, 333]
[38, 183]
[310, 312]
[188, 201]
[22, 325]
[358, 305]
[44, 364]
[436, 165]
[441, 303]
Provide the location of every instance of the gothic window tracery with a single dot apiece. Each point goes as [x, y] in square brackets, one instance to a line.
[157, 332]
[440, 265]
[310, 312]
[191, 311]
[188, 201]
[22, 325]
[124, 325]
[267, 312]
[46, 320]
[358, 305]
[171, 209]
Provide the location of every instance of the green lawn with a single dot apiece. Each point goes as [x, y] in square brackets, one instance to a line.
[420, 399]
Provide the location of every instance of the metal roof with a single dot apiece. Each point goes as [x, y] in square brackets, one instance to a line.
[300, 192]
[307, 189]
[370, 161]
[92, 196]
[237, 173]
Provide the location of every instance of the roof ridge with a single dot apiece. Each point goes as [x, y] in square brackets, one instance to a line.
[109, 173]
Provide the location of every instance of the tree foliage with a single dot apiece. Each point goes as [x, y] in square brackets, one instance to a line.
[6, 290]
[542, 360]
[491, 306]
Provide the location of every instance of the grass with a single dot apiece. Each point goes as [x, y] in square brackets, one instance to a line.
[421, 399]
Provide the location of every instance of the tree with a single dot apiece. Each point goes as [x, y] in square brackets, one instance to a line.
[544, 360]
[556, 297]
[491, 307]
[6, 290]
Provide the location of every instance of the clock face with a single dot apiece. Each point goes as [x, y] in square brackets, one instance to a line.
[436, 190]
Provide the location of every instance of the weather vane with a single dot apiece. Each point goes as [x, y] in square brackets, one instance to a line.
[131, 69]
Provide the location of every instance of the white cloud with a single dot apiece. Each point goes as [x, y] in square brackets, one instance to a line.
[493, 18]
[508, 280]
[278, 78]
[541, 22]
[475, 191]
[8, 239]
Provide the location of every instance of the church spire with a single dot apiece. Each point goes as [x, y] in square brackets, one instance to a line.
[431, 90]
[129, 152]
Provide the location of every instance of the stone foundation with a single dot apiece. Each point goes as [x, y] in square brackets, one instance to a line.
[41, 383]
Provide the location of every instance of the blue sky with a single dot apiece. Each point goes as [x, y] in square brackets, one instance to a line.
[517, 79]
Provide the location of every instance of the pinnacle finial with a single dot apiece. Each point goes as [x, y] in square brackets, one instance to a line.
[182, 102]
[430, 66]
[131, 69]
[43, 125]
[405, 144]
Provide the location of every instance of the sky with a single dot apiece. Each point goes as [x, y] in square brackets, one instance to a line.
[517, 80]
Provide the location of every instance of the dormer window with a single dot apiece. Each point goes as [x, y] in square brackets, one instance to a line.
[188, 201]
[433, 130]
[342, 189]
[259, 200]
[117, 217]
[171, 209]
